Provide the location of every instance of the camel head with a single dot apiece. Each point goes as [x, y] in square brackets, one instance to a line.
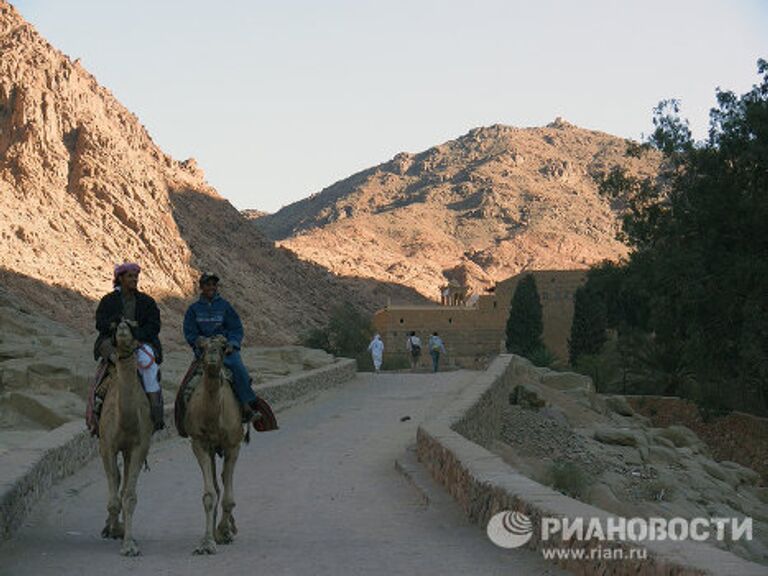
[124, 340]
[213, 354]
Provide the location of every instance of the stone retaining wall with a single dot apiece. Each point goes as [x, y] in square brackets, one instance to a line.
[26, 473]
[483, 484]
[292, 387]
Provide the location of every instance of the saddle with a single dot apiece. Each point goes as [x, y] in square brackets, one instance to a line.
[91, 421]
[185, 393]
[91, 413]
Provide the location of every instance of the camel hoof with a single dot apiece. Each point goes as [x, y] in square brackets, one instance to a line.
[224, 536]
[112, 531]
[130, 548]
[206, 548]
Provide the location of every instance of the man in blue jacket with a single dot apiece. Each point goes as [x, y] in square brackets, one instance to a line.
[211, 315]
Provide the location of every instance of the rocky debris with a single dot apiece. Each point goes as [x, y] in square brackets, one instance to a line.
[607, 455]
[724, 435]
[503, 198]
[534, 435]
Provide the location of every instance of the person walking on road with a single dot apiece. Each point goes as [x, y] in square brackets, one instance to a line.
[376, 348]
[413, 346]
[435, 347]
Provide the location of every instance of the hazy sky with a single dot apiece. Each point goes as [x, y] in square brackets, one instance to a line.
[277, 100]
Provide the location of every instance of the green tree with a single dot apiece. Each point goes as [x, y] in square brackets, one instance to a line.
[524, 325]
[588, 329]
[347, 333]
[699, 250]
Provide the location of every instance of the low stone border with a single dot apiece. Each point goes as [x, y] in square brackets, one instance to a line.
[27, 473]
[295, 386]
[483, 485]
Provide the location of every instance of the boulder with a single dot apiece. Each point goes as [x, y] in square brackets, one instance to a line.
[661, 441]
[567, 381]
[662, 455]
[682, 437]
[744, 474]
[619, 405]
[618, 436]
[526, 397]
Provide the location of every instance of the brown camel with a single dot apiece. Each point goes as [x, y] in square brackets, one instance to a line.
[124, 427]
[213, 422]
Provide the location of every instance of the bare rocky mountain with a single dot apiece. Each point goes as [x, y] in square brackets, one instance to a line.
[479, 209]
[253, 214]
[83, 186]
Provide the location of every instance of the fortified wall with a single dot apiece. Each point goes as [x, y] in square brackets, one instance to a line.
[474, 332]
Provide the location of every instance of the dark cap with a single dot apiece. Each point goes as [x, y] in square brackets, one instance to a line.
[208, 276]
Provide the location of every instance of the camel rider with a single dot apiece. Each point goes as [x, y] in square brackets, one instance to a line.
[211, 315]
[126, 301]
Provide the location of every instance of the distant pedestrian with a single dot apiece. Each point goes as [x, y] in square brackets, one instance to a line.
[413, 346]
[435, 347]
[376, 348]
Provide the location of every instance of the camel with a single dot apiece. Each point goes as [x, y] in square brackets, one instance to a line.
[125, 427]
[213, 423]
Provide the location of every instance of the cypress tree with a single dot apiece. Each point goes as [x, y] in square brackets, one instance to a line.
[524, 325]
[588, 326]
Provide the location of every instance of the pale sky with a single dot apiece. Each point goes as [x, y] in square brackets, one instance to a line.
[277, 100]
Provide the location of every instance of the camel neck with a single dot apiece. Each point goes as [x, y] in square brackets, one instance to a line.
[211, 384]
[212, 392]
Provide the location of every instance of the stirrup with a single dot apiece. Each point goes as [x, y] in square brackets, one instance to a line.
[249, 415]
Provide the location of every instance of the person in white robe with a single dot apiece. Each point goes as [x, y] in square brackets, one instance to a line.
[376, 348]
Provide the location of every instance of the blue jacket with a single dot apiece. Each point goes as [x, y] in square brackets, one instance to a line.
[204, 318]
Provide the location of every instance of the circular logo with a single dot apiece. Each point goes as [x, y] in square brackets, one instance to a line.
[510, 529]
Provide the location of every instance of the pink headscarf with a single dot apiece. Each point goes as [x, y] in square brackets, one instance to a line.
[123, 268]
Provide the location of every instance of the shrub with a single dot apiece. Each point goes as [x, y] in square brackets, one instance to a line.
[569, 478]
[602, 368]
[347, 333]
[542, 357]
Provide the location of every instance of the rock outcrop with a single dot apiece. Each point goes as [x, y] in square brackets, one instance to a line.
[598, 449]
[83, 186]
[480, 208]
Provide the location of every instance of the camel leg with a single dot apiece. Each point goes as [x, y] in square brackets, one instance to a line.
[217, 489]
[126, 467]
[204, 459]
[227, 529]
[112, 528]
[132, 462]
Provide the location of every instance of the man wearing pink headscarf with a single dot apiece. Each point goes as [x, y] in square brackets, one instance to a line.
[126, 301]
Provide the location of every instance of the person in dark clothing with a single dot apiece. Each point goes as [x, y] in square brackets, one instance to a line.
[435, 347]
[211, 315]
[126, 301]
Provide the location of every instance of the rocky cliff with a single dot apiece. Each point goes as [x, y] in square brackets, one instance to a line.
[479, 209]
[83, 186]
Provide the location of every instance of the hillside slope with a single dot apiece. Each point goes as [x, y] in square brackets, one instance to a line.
[480, 208]
[83, 186]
